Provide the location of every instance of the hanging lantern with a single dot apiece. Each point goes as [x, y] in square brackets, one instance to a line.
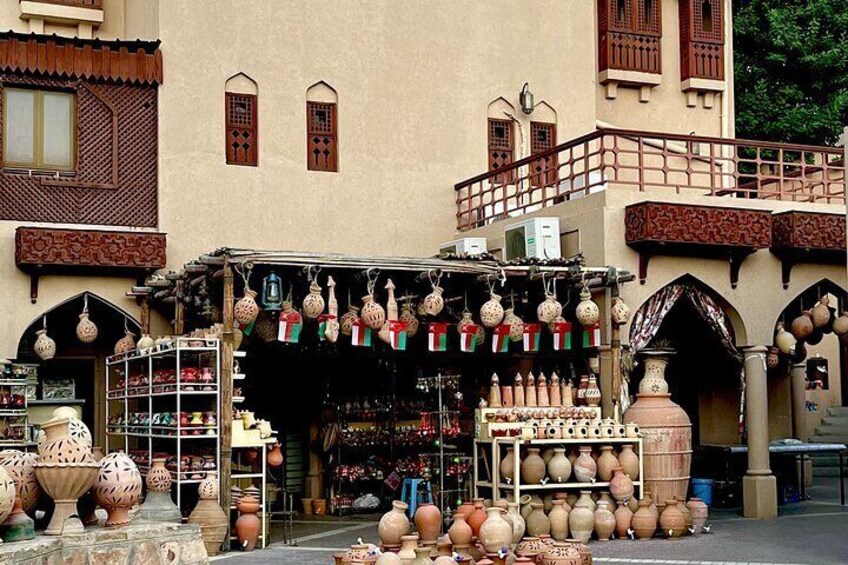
[492, 313]
[408, 317]
[784, 340]
[434, 302]
[272, 292]
[44, 346]
[587, 312]
[516, 325]
[348, 319]
[86, 329]
[802, 326]
[620, 312]
[126, 343]
[313, 304]
[821, 313]
[840, 325]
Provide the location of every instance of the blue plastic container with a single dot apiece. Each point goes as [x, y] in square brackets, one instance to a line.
[703, 489]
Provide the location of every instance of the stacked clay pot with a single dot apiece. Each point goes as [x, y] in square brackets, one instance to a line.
[538, 524]
[672, 522]
[248, 524]
[581, 521]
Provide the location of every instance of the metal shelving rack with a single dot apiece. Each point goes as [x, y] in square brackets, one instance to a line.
[16, 416]
[204, 352]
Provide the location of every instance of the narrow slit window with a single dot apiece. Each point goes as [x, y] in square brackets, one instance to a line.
[241, 145]
[707, 16]
[321, 137]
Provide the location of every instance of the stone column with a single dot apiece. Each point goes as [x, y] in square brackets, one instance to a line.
[759, 486]
[798, 378]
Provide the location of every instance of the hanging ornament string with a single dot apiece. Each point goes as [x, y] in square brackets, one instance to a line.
[245, 270]
[373, 274]
[465, 307]
[312, 273]
[85, 303]
[44, 322]
[435, 278]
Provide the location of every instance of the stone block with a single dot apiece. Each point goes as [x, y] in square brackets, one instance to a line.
[110, 555]
[146, 553]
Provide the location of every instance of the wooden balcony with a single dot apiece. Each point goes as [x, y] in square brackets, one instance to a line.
[628, 51]
[703, 166]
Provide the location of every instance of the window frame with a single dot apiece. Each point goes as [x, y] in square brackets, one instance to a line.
[38, 130]
[231, 157]
[549, 175]
[507, 177]
[333, 160]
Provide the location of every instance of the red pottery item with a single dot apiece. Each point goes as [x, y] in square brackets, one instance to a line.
[476, 518]
[248, 524]
[428, 522]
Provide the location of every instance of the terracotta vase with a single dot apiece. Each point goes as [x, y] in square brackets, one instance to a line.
[20, 467]
[8, 502]
[360, 553]
[623, 520]
[408, 316]
[558, 517]
[700, 513]
[86, 329]
[581, 521]
[585, 467]
[504, 505]
[586, 499]
[519, 526]
[422, 556]
[348, 319]
[606, 463]
[687, 514]
[460, 532]
[621, 487]
[629, 461]
[666, 429]
[537, 523]
[821, 313]
[246, 310]
[408, 543]
[604, 521]
[372, 313]
[592, 394]
[532, 468]
[672, 522]
[644, 522]
[313, 303]
[525, 502]
[394, 525]
[117, 488]
[248, 525]
[495, 533]
[158, 505]
[467, 507]
[209, 515]
[275, 456]
[559, 467]
[388, 558]
[561, 553]
[530, 547]
[428, 522]
[65, 470]
[476, 518]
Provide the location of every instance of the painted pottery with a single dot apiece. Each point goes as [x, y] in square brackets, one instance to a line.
[629, 461]
[559, 467]
[587, 312]
[209, 515]
[593, 393]
[537, 522]
[158, 505]
[561, 553]
[581, 522]
[246, 310]
[672, 522]
[621, 486]
[516, 325]
[802, 326]
[558, 517]
[519, 526]
[532, 468]
[492, 313]
[428, 522]
[700, 513]
[434, 302]
[606, 463]
[549, 309]
[394, 525]
[620, 312]
[495, 533]
[86, 329]
[44, 345]
[117, 488]
[248, 525]
[476, 518]
[585, 467]
[460, 532]
[126, 343]
[604, 521]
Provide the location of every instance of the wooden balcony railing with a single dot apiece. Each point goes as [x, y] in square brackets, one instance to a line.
[627, 51]
[727, 168]
[92, 4]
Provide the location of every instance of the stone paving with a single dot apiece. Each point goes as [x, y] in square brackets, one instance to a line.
[810, 533]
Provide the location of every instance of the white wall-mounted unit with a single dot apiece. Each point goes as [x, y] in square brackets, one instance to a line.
[536, 237]
[467, 245]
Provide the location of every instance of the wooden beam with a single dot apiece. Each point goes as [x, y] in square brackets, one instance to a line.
[227, 391]
[179, 313]
[145, 315]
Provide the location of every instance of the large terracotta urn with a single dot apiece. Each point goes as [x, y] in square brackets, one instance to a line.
[476, 518]
[561, 553]
[507, 466]
[604, 521]
[559, 467]
[394, 525]
[558, 517]
[629, 461]
[428, 522]
[581, 521]
[158, 505]
[495, 533]
[666, 429]
[65, 470]
[18, 526]
[532, 468]
[606, 463]
[117, 488]
[209, 515]
[460, 532]
[248, 525]
[585, 467]
[672, 522]
[538, 523]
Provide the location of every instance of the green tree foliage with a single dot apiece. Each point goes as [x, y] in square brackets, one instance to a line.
[791, 59]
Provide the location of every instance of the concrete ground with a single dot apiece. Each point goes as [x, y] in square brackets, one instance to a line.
[814, 532]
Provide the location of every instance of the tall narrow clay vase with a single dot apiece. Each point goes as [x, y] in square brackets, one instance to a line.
[644, 522]
[532, 468]
[495, 533]
[666, 429]
[604, 521]
[581, 522]
[393, 526]
[209, 515]
[629, 461]
[558, 517]
[18, 526]
[519, 526]
[460, 532]
[158, 505]
[476, 518]
[117, 488]
[428, 522]
[65, 469]
[538, 523]
[248, 525]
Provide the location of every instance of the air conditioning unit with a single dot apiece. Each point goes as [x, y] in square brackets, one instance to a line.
[537, 237]
[467, 245]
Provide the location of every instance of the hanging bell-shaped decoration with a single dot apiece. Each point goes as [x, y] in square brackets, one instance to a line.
[549, 309]
[840, 325]
[246, 310]
[348, 319]
[86, 329]
[434, 302]
[802, 326]
[784, 340]
[587, 312]
[372, 313]
[126, 343]
[620, 312]
[516, 325]
[408, 317]
[272, 292]
[492, 313]
[313, 304]
[821, 313]
[44, 346]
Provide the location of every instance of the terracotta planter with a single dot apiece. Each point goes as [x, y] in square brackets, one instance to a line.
[538, 523]
[623, 520]
[408, 544]
[428, 522]
[585, 467]
[629, 461]
[248, 525]
[562, 553]
[495, 533]
[581, 522]
[700, 512]
[460, 532]
[532, 468]
[209, 515]
[117, 488]
[558, 517]
[672, 522]
[394, 525]
[476, 518]
[606, 463]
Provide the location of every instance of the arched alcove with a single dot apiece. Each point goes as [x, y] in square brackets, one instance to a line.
[240, 83]
[322, 92]
[500, 109]
[544, 112]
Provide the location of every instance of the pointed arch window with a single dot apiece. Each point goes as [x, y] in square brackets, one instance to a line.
[321, 136]
[501, 148]
[543, 171]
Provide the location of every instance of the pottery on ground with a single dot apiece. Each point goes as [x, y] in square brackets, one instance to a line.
[538, 523]
[700, 513]
[428, 522]
[562, 553]
[687, 514]
[209, 515]
[117, 488]
[158, 505]
[644, 522]
[8, 498]
[248, 525]
[672, 522]
[495, 533]
[393, 525]
[623, 520]
[388, 558]
[581, 522]
[460, 532]
[18, 526]
[558, 517]
[604, 521]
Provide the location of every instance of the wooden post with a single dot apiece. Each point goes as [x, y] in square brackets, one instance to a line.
[226, 414]
[145, 315]
[615, 354]
[179, 310]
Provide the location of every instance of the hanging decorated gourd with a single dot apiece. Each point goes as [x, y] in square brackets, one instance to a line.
[840, 325]
[391, 312]
[348, 319]
[802, 326]
[465, 321]
[408, 317]
[516, 325]
[587, 312]
[620, 312]
[784, 340]
[434, 302]
[492, 313]
[821, 313]
[126, 343]
[246, 309]
[44, 346]
[331, 327]
[372, 313]
[550, 308]
[86, 329]
[313, 303]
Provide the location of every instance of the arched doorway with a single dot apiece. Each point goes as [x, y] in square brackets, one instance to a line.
[82, 364]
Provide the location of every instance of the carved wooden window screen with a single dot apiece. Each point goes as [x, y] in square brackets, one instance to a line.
[322, 137]
[629, 35]
[707, 23]
[649, 17]
[543, 171]
[701, 39]
[241, 129]
[501, 148]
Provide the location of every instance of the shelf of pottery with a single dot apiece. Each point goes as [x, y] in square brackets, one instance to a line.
[15, 378]
[248, 489]
[163, 402]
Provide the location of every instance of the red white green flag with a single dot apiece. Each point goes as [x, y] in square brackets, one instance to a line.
[468, 338]
[532, 334]
[322, 325]
[397, 335]
[360, 335]
[562, 336]
[437, 336]
[500, 338]
[289, 328]
[592, 336]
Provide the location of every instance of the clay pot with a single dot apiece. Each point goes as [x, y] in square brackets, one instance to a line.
[434, 302]
[361, 553]
[587, 312]
[644, 522]
[7, 497]
[585, 553]
[86, 329]
[158, 506]
[372, 313]
[248, 524]
[687, 514]
[428, 522]
[246, 310]
[388, 558]
[623, 519]
[20, 467]
[118, 488]
[586, 499]
[581, 522]
[559, 467]
[394, 525]
[558, 517]
[476, 518]
[785, 341]
[606, 463]
[672, 522]
[408, 544]
[532, 468]
[516, 325]
[549, 310]
[821, 313]
[519, 526]
[313, 303]
[422, 556]
[275, 456]
[542, 398]
[621, 487]
[126, 343]
[460, 532]
[348, 319]
[604, 521]
[530, 547]
[629, 461]
[620, 312]
[408, 316]
[44, 346]
[525, 501]
[495, 533]
[585, 468]
[840, 325]
[467, 507]
[561, 553]
[537, 523]
[803, 326]
[492, 313]
[209, 515]
[700, 512]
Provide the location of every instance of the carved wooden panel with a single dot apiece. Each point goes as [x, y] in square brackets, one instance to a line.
[501, 148]
[698, 225]
[321, 137]
[701, 39]
[56, 249]
[543, 171]
[241, 129]
[629, 35]
[808, 231]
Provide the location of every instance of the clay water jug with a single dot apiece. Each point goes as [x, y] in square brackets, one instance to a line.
[476, 518]
[651, 506]
[388, 558]
[428, 522]
[503, 505]
[525, 501]
[460, 532]
[532, 468]
[495, 533]
[700, 513]
[623, 519]
[507, 466]
[604, 521]
[561, 553]
[672, 522]
[629, 461]
[422, 556]
[581, 522]
[518, 523]
[248, 523]
[393, 525]
[606, 463]
[537, 523]
[687, 514]
[585, 468]
[621, 487]
[209, 515]
[586, 499]
[559, 467]
[558, 517]
[644, 522]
